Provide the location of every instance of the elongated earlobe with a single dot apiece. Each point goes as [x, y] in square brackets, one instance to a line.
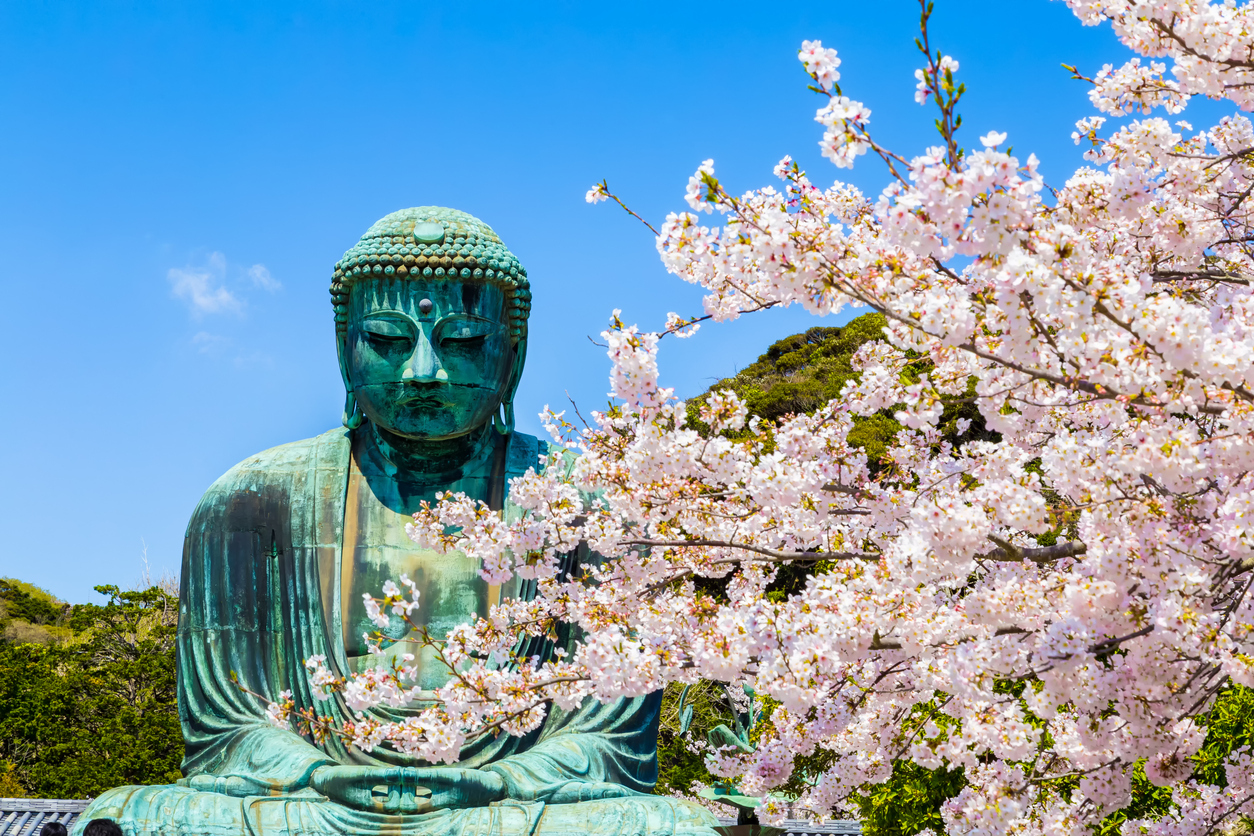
[503, 421]
[352, 415]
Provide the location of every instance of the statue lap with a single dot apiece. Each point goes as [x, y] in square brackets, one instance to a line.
[180, 811]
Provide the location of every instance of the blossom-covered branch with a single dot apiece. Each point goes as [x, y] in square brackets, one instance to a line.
[1046, 604]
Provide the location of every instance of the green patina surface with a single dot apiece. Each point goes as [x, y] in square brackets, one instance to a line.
[431, 324]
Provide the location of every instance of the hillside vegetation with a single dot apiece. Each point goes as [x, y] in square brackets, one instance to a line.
[87, 692]
[30, 615]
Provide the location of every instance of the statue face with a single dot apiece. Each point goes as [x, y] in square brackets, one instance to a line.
[428, 359]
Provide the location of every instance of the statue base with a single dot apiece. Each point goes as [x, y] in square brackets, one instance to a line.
[180, 811]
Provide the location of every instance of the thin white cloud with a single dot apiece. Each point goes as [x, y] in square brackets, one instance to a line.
[202, 288]
[207, 343]
[261, 278]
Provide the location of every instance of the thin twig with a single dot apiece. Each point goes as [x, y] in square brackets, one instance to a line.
[605, 190]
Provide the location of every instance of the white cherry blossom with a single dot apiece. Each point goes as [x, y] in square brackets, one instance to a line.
[1060, 595]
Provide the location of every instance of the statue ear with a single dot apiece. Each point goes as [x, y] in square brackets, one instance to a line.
[352, 415]
[515, 374]
[504, 420]
[340, 352]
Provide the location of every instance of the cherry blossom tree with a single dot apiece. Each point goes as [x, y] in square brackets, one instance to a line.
[1048, 609]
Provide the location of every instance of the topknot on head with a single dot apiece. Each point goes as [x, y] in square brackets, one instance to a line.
[433, 242]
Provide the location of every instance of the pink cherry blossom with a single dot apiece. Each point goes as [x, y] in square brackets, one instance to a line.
[1093, 544]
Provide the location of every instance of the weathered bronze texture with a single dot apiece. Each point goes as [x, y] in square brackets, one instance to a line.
[431, 314]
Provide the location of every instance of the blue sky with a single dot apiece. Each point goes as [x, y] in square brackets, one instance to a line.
[177, 180]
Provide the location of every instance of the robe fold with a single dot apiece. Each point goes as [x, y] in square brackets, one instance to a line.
[260, 594]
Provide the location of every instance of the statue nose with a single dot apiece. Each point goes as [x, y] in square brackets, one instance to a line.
[423, 365]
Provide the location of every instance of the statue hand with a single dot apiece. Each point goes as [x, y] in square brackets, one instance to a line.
[406, 789]
[390, 789]
[233, 785]
[452, 786]
[576, 791]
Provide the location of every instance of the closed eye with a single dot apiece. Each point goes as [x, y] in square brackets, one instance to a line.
[465, 329]
[385, 331]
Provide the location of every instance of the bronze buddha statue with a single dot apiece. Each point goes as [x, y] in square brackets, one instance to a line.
[431, 321]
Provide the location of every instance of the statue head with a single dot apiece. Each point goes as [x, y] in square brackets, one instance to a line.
[431, 325]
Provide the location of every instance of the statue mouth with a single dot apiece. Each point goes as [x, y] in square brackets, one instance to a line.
[423, 399]
[420, 394]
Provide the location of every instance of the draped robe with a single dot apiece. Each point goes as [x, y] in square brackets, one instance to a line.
[260, 594]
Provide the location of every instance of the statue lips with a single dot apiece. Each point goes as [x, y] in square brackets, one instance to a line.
[435, 395]
[430, 400]
[424, 395]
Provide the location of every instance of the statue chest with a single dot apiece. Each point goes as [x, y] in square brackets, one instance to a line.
[376, 549]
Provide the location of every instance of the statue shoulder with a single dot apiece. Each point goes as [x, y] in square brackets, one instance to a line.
[266, 479]
[526, 452]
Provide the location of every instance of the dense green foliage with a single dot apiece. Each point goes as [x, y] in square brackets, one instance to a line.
[92, 706]
[909, 801]
[29, 614]
[801, 373]
[679, 763]
[798, 374]
[30, 603]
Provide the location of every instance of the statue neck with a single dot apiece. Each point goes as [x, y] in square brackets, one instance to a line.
[434, 462]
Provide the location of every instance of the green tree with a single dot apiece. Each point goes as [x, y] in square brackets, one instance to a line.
[679, 763]
[98, 710]
[30, 603]
[29, 614]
